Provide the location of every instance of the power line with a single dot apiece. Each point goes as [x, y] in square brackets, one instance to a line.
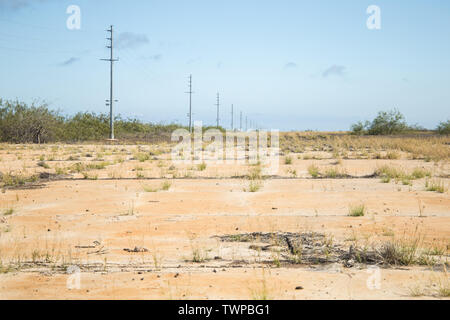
[240, 122]
[190, 103]
[232, 117]
[218, 108]
[111, 97]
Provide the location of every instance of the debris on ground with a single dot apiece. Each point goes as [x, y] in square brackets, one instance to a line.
[136, 250]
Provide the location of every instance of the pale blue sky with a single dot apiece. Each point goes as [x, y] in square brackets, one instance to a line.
[269, 58]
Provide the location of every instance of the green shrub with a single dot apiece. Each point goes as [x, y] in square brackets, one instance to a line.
[444, 127]
[254, 186]
[288, 160]
[359, 128]
[385, 123]
[357, 210]
[435, 186]
[313, 171]
[166, 186]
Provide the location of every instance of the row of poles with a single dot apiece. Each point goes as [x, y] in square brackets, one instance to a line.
[190, 92]
[110, 101]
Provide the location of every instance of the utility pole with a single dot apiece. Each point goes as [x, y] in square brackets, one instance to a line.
[218, 108]
[232, 117]
[111, 100]
[240, 122]
[246, 123]
[190, 103]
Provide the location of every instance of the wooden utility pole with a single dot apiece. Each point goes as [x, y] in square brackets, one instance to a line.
[111, 100]
[190, 103]
[240, 122]
[218, 109]
[232, 117]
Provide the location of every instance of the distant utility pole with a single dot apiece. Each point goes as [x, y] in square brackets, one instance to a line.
[190, 103]
[218, 108]
[232, 117]
[111, 100]
[246, 123]
[240, 122]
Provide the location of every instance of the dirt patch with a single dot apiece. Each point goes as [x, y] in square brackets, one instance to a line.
[294, 248]
[316, 248]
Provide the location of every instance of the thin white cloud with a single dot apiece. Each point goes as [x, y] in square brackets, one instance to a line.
[290, 65]
[127, 40]
[69, 61]
[335, 70]
[17, 4]
[155, 57]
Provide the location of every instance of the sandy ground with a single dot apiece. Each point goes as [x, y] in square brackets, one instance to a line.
[89, 224]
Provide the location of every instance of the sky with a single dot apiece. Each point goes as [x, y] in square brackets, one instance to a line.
[286, 64]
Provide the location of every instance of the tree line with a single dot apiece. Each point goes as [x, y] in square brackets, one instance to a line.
[37, 123]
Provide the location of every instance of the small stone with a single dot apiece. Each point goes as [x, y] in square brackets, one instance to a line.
[299, 288]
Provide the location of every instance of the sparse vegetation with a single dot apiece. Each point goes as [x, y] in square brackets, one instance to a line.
[400, 252]
[150, 189]
[444, 128]
[43, 165]
[261, 293]
[387, 173]
[283, 249]
[334, 173]
[142, 157]
[166, 185]
[199, 255]
[254, 186]
[313, 171]
[17, 180]
[8, 212]
[435, 186]
[358, 210]
[288, 160]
